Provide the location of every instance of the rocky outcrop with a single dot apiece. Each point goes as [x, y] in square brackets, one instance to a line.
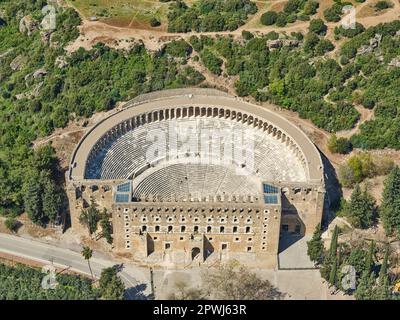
[45, 36]
[53, 42]
[39, 73]
[18, 63]
[373, 44]
[34, 93]
[278, 43]
[395, 62]
[61, 62]
[27, 25]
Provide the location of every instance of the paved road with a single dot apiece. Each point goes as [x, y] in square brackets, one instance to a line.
[136, 279]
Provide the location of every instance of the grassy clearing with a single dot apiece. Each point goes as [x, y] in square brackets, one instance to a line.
[124, 13]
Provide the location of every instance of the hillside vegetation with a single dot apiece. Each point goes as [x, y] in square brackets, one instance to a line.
[42, 88]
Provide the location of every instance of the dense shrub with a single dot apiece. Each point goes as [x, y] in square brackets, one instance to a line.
[317, 26]
[361, 208]
[90, 81]
[178, 48]
[211, 61]
[268, 18]
[209, 15]
[382, 5]
[339, 145]
[154, 22]
[311, 7]
[362, 166]
[350, 32]
[24, 283]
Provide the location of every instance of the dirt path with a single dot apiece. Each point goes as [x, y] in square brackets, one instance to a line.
[365, 115]
[61, 134]
[93, 32]
[219, 82]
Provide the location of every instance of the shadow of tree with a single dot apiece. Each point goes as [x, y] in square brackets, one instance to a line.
[137, 293]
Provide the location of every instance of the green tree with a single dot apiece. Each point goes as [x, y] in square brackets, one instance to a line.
[281, 19]
[331, 258]
[382, 290]
[106, 227]
[317, 26]
[310, 8]
[357, 259]
[365, 286]
[87, 254]
[369, 261]
[51, 200]
[90, 218]
[382, 5]
[33, 201]
[384, 266]
[356, 169]
[339, 145]
[211, 61]
[360, 210]
[310, 42]
[269, 18]
[11, 224]
[333, 272]
[390, 207]
[110, 285]
[323, 47]
[334, 242]
[315, 247]
[154, 22]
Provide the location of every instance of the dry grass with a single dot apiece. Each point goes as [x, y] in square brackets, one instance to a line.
[124, 13]
[369, 10]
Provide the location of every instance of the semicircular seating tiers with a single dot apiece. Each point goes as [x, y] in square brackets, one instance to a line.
[201, 139]
[184, 180]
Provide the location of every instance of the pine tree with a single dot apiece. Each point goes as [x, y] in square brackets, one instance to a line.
[365, 286]
[334, 242]
[369, 260]
[33, 201]
[315, 247]
[333, 273]
[90, 218]
[52, 200]
[384, 266]
[106, 227]
[110, 285]
[390, 208]
[382, 290]
[361, 208]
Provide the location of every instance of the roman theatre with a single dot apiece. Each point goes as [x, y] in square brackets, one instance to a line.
[195, 176]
